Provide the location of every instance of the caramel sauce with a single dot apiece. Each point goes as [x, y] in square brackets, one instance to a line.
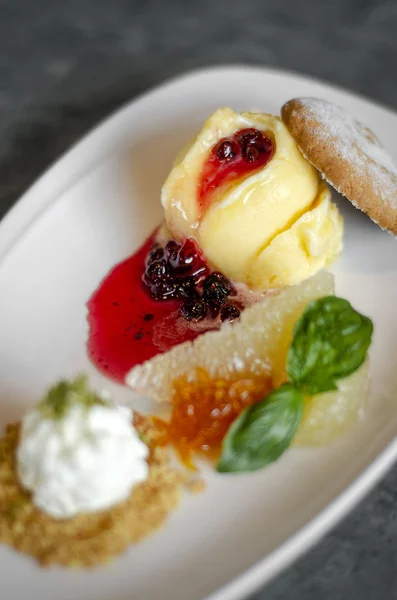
[203, 410]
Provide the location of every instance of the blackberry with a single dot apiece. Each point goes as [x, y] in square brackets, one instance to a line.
[171, 251]
[157, 271]
[187, 255]
[230, 313]
[251, 153]
[226, 150]
[249, 136]
[194, 310]
[156, 254]
[164, 290]
[186, 287]
[216, 289]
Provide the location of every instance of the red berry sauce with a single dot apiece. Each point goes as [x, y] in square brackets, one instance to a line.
[163, 296]
[153, 301]
[245, 152]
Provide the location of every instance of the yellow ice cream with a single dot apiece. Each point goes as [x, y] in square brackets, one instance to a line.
[274, 227]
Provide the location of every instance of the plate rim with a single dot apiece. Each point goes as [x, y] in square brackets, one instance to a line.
[36, 197]
[310, 534]
[43, 193]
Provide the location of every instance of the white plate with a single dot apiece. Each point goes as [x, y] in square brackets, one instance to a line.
[91, 210]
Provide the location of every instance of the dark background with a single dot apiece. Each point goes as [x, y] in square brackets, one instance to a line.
[65, 65]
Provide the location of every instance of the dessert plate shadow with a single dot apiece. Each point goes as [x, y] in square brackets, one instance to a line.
[91, 210]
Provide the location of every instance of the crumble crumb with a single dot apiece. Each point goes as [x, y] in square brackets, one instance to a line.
[195, 486]
[88, 539]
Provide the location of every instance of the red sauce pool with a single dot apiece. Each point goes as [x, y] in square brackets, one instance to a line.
[126, 325]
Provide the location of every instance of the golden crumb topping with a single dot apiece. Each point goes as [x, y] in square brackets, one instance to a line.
[92, 538]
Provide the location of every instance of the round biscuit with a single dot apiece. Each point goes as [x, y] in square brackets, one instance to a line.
[348, 155]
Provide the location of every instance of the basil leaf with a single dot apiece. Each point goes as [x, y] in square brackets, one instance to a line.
[262, 432]
[330, 341]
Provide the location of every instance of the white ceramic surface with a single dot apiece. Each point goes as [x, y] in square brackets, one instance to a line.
[91, 210]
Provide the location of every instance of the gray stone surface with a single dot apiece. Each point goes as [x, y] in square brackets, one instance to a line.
[65, 65]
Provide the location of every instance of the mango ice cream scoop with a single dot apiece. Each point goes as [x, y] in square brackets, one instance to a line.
[254, 205]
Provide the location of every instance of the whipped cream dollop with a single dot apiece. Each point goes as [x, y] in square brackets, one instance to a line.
[79, 453]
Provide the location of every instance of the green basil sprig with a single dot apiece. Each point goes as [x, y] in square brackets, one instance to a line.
[330, 342]
[262, 432]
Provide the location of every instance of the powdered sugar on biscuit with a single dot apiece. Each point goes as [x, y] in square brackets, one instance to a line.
[352, 142]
